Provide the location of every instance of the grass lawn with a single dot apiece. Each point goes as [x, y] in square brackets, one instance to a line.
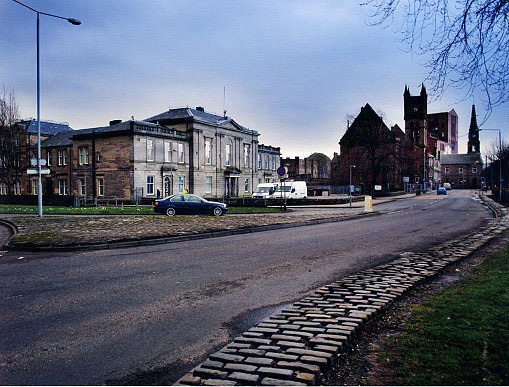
[460, 337]
[141, 210]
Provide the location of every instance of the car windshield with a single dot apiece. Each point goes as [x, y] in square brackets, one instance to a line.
[286, 188]
[264, 189]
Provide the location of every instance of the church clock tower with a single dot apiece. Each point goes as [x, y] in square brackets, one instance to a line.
[416, 112]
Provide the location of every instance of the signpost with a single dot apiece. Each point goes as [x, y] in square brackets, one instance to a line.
[283, 174]
[34, 171]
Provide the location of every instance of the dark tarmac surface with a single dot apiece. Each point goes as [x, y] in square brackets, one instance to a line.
[146, 315]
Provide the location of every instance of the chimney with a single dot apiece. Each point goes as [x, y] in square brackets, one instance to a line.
[200, 108]
[115, 122]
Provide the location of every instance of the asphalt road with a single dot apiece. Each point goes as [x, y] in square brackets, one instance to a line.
[146, 315]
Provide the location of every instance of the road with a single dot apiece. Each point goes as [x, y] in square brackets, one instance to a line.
[146, 315]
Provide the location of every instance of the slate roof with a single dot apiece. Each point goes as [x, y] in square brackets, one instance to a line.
[354, 135]
[471, 158]
[190, 114]
[59, 139]
[48, 128]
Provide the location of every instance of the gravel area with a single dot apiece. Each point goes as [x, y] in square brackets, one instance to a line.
[67, 231]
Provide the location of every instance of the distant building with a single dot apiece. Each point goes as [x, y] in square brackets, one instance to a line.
[464, 170]
[315, 170]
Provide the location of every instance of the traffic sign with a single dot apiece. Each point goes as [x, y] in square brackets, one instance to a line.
[281, 171]
[33, 162]
[34, 171]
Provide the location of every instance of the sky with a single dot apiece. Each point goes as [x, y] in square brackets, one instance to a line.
[292, 69]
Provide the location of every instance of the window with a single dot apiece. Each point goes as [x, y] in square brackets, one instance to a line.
[34, 187]
[100, 186]
[246, 184]
[177, 198]
[62, 186]
[48, 158]
[208, 184]
[60, 157]
[181, 183]
[474, 169]
[442, 147]
[192, 198]
[266, 165]
[208, 151]
[473, 148]
[181, 153]
[83, 155]
[82, 187]
[460, 170]
[259, 161]
[228, 154]
[167, 152]
[247, 151]
[98, 156]
[3, 189]
[150, 150]
[150, 185]
[16, 187]
[273, 163]
[446, 169]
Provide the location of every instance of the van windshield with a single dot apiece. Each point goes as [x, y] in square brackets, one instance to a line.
[264, 189]
[286, 188]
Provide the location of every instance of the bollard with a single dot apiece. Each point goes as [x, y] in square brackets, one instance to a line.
[368, 204]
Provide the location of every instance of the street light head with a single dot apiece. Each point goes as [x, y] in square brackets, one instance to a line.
[76, 22]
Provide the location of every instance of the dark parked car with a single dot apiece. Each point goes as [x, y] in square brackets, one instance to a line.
[189, 205]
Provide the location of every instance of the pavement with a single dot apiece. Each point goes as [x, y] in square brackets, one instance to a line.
[149, 315]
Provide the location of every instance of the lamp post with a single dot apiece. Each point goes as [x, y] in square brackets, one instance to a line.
[350, 186]
[39, 183]
[500, 162]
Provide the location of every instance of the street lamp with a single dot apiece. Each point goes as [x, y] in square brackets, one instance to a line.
[500, 162]
[76, 23]
[350, 186]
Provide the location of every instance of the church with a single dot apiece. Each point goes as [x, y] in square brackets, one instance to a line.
[464, 170]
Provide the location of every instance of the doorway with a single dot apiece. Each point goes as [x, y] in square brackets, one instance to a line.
[168, 186]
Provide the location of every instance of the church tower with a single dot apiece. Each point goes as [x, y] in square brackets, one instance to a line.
[474, 144]
[416, 112]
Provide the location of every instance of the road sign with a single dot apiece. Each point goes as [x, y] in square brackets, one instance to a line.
[33, 162]
[281, 171]
[378, 187]
[34, 171]
[406, 179]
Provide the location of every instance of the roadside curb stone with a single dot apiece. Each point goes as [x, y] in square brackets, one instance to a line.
[306, 336]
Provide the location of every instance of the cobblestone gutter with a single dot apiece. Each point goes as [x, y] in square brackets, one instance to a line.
[299, 344]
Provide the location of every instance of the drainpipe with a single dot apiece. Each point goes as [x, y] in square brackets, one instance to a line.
[94, 183]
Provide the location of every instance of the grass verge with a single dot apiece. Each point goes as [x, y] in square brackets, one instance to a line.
[460, 337]
[141, 210]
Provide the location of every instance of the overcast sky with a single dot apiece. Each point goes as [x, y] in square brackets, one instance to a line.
[292, 69]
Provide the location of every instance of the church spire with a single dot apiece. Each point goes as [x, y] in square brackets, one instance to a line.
[474, 144]
[473, 120]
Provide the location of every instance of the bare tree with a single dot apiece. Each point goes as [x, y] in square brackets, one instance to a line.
[466, 42]
[10, 139]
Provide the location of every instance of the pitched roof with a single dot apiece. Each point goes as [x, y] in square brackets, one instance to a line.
[461, 158]
[48, 128]
[59, 139]
[189, 114]
[366, 119]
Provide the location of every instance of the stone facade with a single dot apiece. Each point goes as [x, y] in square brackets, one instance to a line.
[182, 150]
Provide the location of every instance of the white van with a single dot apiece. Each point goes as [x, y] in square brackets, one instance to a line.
[265, 190]
[292, 190]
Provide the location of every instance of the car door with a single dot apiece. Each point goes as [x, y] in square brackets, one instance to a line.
[177, 202]
[195, 205]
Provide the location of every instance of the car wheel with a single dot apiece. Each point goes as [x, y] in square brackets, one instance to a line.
[170, 211]
[217, 211]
